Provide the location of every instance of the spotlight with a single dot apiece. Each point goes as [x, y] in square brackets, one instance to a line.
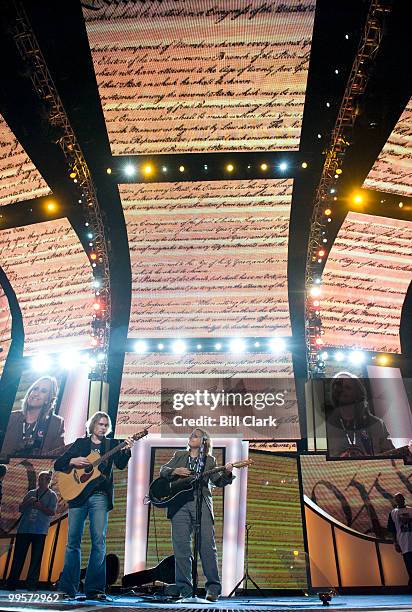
[336, 71]
[327, 104]
[205, 166]
[96, 306]
[164, 168]
[304, 164]
[93, 256]
[90, 236]
[357, 199]
[357, 357]
[263, 167]
[319, 341]
[100, 357]
[315, 291]
[181, 168]
[237, 345]
[179, 347]
[333, 190]
[324, 355]
[283, 166]
[257, 344]
[140, 347]
[339, 171]
[339, 356]
[129, 170]
[400, 204]
[277, 345]
[230, 167]
[41, 362]
[160, 346]
[328, 212]
[218, 346]
[69, 359]
[383, 360]
[73, 174]
[318, 281]
[319, 136]
[51, 206]
[108, 170]
[96, 283]
[321, 253]
[199, 347]
[148, 169]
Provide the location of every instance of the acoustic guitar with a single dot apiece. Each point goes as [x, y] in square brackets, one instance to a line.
[73, 483]
[163, 492]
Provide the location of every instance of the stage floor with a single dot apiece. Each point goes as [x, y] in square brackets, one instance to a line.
[368, 603]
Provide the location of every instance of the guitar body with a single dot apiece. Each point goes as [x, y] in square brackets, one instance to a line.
[73, 483]
[163, 492]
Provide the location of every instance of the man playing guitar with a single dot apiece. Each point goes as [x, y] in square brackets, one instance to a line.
[94, 501]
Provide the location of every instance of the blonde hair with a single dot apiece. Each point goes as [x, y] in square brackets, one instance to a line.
[93, 420]
[49, 405]
[208, 441]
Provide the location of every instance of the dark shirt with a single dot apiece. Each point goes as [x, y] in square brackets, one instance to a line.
[82, 448]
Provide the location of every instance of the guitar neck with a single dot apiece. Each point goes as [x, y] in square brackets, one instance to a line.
[109, 453]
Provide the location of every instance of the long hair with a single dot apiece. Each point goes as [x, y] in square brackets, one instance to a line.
[361, 399]
[93, 420]
[49, 405]
[208, 441]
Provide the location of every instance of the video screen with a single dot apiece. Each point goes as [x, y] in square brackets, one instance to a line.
[201, 75]
[368, 417]
[358, 493]
[140, 392]
[208, 258]
[49, 412]
[365, 281]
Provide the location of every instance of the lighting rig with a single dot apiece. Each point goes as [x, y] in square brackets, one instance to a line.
[332, 169]
[45, 88]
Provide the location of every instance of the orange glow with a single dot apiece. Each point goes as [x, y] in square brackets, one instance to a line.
[328, 212]
[93, 256]
[383, 360]
[263, 166]
[148, 169]
[357, 198]
[321, 253]
[51, 206]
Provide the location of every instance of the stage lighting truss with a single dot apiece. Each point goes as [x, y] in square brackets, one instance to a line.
[29, 50]
[340, 140]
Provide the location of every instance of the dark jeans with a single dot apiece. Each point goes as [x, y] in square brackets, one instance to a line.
[95, 507]
[22, 544]
[407, 557]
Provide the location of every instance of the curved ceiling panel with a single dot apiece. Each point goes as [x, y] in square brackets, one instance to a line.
[52, 278]
[19, 179]
[209, 259]
[365, 282]
[215, 75]
[139, 402]
[392, 171]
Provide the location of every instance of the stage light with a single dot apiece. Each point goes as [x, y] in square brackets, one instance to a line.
[181, 168]
[164, 168]
[357, 199]
[96, 306]
[199, 347]
[324, 240]
[257, 344]
[129, 170]
[263, 167]
[318, 281]
[357, 357]
[324, 355]
[333, 190]
[319, 341]
[316, 303]
[93, 256]
[108, 170]
[383, 360]
[277, 345]
[218, 346]
[230, 167]
[339, 356]
[148, 169]
[319, 136]
[100, 357]
[400, 204]
[179, 347]
[328, 212]
[304, 164]
[295, 553]
[73, 174]
[205, 166]
[321, 253]
[96, 283]
[41, 362]
[51, 206]
[160, 346]
[69, 359]
[86, 224]
[329, 220]
[283, 166]
[315, 291]
[140, 347]
[336, 71]
[237, 345]
[347, 36]
[327, 104]
[90, 235]
[339, 171]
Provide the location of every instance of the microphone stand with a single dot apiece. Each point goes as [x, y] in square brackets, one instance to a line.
[197, 488]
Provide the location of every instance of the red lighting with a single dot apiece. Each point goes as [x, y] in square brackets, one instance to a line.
[321, 253]
[96, 306]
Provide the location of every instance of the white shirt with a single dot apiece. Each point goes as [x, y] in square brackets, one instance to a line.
[402, 519]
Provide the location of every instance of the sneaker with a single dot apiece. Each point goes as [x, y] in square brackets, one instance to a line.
[210, 596]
